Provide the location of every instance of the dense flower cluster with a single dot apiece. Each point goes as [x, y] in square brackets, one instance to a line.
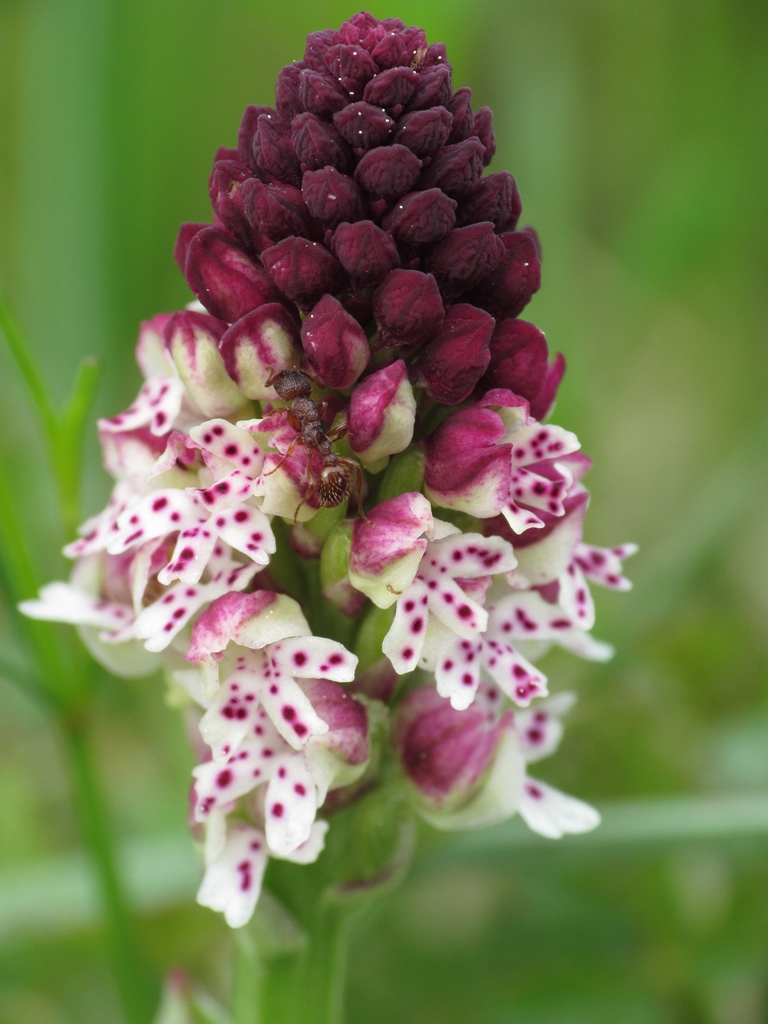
[356, 342]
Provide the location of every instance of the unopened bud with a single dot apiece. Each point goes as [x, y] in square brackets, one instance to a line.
[363, 125]
[519, 357]
[495, 198]
[388, 172]
[456, 169]
[392, 89]
[274, 153]
[335, 344]
[223, 277]
[382, 414]
[433, 90]
[318, 144]
[465, 257]
[421, 218]
[507, 291]
[445, 753]
[332, 197]
[460, 107]
[246, 134]
[408, 308]
[193, 344]
[319, 94]
[302, 270]
[365, 251]
[258, 345]
[482, 127]
[424, 131]
[450, 366]
[277, 211]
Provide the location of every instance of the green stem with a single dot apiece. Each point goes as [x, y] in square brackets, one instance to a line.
[135, 996]
[249, 981]
[324, 964]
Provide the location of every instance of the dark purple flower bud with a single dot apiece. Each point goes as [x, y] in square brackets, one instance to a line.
[519, 357]
[542, 404]
[363, 125]
[482, 127]
[332, 197]
[392, 89]
[274, 151]
[288, 91]
[424, 131]
[456, 169]
[408, 308]
[246, 134]
[349, 64]
[507, 291]
[277, 211]
[461, 108]
[223, 277]
[452, 363]
[258, 345]
[433, 90]
[358, 28]
[318, 44]
[465, 257]
[398, 48]
[366, 252]
[436, 55]
[319, 94]
[445, 753]
[318, 144]
[226, 153]
[421, 218]
[227, 197]
[335, 344]
[186, 233]
[302, 270]
[495, 198]
[388, 172]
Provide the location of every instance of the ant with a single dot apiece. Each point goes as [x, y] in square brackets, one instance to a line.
[335, 480]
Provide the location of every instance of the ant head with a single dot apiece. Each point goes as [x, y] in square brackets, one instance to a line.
[333, 485]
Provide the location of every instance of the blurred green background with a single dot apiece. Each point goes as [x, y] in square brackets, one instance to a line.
[637, 134]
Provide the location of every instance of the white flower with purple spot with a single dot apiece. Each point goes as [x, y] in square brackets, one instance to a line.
[436, 594]
[253, 648]
[493, 458]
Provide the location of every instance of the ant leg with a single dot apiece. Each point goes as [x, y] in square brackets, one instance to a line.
[353, 464]
[304, 500]
[287, 455]
[336, 433]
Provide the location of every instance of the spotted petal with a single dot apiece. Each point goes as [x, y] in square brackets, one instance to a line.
[540, 729]
[232, 882]
[554, 814]
[290, 806]
[157, 406]
[405, 639]
[515, 675]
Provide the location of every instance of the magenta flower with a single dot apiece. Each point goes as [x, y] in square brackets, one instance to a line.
[354, 364]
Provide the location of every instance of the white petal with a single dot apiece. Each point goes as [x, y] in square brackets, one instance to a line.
[232, 881]
[554, 814]
[290, 806]
[311, 849]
